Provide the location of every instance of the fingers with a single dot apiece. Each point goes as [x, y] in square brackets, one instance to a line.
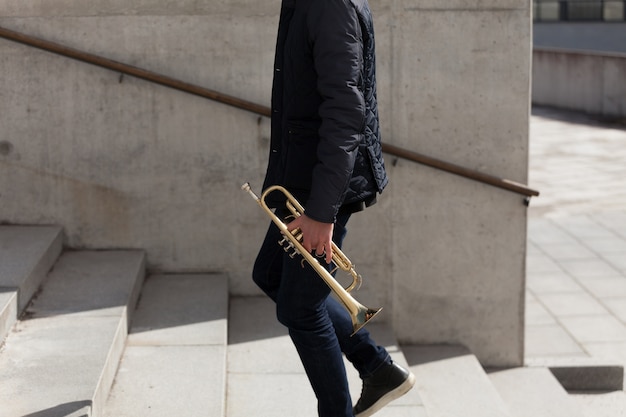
[322, 247]
[329, 253]
[324, 250]
[316, 236]
[318, 247]
[297, 224]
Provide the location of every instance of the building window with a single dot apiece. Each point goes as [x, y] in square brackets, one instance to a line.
[579, 10]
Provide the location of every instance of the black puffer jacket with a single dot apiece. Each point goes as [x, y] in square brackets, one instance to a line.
[325, 142]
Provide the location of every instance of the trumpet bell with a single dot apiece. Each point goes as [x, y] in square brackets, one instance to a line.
[362, 317]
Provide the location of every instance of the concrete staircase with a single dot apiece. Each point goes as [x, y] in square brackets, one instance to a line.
[61, 356]
[175, 359]
[97, 339]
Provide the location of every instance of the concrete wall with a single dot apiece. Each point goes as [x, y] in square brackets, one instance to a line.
[586, 81]
[580, 36]
[123, 163]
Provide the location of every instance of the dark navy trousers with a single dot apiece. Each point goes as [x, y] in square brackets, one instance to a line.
[318, 325]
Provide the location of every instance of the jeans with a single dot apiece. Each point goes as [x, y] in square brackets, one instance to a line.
[318, 325]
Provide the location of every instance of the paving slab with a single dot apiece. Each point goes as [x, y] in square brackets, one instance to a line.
[577, 244]
[61, 357]
[552, 282]
[595, 328]
[607, 289]
[533, 392]
[549, 341]
[175, 358]
[617, 306]
[536, 314]
[572, 304]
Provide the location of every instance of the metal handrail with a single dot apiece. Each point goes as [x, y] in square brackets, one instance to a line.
[249, 106]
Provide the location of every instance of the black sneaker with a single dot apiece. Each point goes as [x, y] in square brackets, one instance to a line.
[385, 385]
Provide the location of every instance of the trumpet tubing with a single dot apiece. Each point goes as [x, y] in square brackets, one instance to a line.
[359, 314]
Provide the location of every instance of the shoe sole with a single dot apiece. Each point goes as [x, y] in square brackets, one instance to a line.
[389, 397]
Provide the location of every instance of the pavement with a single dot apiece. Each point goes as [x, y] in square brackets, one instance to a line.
[576, 263]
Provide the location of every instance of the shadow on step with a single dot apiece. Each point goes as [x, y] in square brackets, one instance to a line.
[62, 410]
[419, 355]
[253, 318]
[179, 300]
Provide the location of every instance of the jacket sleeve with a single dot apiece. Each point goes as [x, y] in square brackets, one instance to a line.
[335, 36]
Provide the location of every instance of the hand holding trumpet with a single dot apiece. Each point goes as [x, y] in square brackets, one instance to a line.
[305, 235]
[316, 236]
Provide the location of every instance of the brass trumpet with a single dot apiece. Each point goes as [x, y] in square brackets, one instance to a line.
[292, 241]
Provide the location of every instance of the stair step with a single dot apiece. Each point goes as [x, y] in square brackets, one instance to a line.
[601, 404]
[175, 359]
[8, 311]
[452, 383]
[584, 373]
[61, 357]
[533, 392]
[26, 255]
[265, 375]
